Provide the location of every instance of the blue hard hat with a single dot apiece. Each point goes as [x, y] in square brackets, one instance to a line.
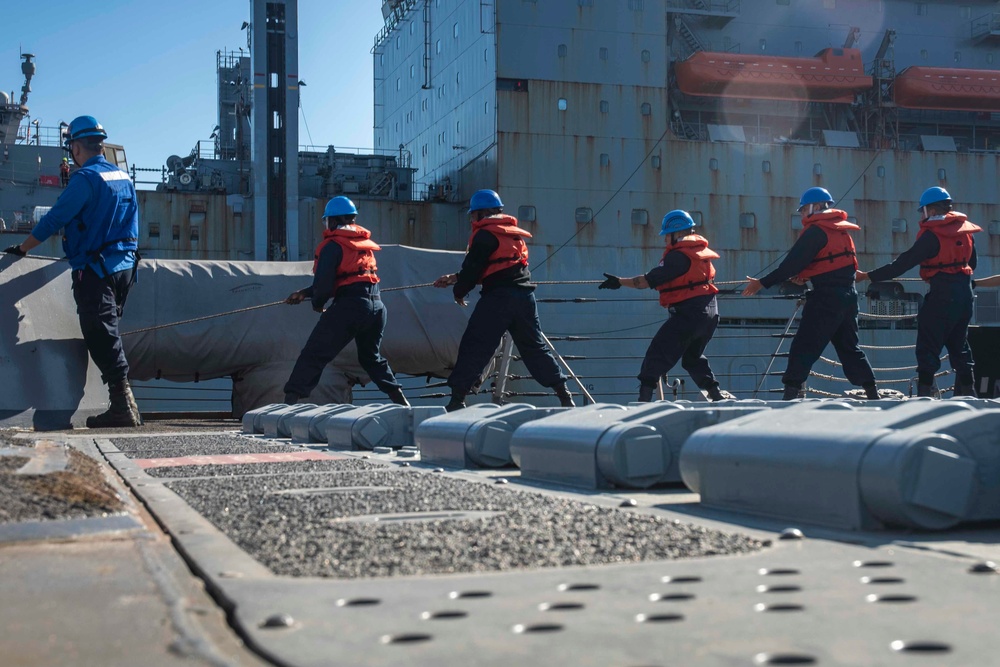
[484, 199]
[933, 196]
[339, 206]
[676, 221]
[815, 196]
[84, 126]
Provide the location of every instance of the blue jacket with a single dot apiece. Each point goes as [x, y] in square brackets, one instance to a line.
[98, 215]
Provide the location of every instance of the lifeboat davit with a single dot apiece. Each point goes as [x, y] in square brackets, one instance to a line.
[947, 88]
[833, 75]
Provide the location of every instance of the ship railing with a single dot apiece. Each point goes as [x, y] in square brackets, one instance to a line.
[393, 12]
[353, 150]
[987, 25]
[727, 7]
[134, 172]
[35, 135]
[17, 220]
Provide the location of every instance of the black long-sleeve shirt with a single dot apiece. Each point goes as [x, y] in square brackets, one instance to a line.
[675, 264]
[322, 289]
[802, 253]
[924, 248]
[477, 260]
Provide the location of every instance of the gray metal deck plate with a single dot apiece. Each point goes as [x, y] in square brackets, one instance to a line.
[875, 601]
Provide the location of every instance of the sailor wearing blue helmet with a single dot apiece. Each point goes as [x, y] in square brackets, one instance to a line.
[497, 259]
[946, 253]
[684, 279]
[98, 217]
[345, 270]
[823, 254]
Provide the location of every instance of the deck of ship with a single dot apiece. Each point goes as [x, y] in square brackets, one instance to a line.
[322, 557]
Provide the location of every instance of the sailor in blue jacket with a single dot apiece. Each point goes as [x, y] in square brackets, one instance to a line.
[98, 216]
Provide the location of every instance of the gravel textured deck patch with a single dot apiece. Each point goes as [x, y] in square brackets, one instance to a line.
[300, 535]
[168, 426]
[160, 447]
[346, 465]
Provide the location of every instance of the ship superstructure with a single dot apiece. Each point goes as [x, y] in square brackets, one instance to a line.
[592, 119]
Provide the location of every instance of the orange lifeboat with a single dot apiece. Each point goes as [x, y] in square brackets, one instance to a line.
[833, 75]
[947, 88]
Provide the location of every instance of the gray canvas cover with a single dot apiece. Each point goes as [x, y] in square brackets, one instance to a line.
[48, 379]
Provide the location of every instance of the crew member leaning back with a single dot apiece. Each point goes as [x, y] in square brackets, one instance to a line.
[98, 216]
[946, 253]
[824, 255]
[684, 280]
[344, 269]
[498, 259]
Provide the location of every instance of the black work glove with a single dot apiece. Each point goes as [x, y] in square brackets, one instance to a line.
[15, 250]
[612, 282]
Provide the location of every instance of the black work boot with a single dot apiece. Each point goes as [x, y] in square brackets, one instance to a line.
[714, 393]
[565, 398]
[291, 399]
[457, 401]
[396, 396]
[792, 392]
[123, 411]
[964, 389]
[871, 392]
[646, 393]
[929, 390]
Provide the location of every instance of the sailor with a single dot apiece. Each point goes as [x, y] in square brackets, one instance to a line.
[64, 172]
[98, 216]
[344, 269]
[684, 280]
[946, 253]
[824, 255]
[497, 259]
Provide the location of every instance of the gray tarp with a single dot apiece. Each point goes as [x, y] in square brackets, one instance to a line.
[43, 362]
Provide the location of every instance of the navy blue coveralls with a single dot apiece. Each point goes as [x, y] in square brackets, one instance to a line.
[357, 314]
[506, 304]
[684, 336]
[943, 320]
[829, 316]
[99, 217]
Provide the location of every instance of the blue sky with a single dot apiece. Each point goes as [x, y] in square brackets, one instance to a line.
[146, 68]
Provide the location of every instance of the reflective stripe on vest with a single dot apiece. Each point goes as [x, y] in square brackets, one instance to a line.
[954, 233]
[839, 250]
[697, 280]
[108, 225]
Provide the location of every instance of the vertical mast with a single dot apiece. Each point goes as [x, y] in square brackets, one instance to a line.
[275, 65]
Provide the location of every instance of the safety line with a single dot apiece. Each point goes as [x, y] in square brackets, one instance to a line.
[883, 370]
[276, 303]
[393, 289]
[205, 317]
[873, 316]
[887, 347]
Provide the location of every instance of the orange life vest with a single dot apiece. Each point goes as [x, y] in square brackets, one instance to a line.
[513, 251]
[697, 281]
[839, 249]
[357, 264]
[954, 233]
